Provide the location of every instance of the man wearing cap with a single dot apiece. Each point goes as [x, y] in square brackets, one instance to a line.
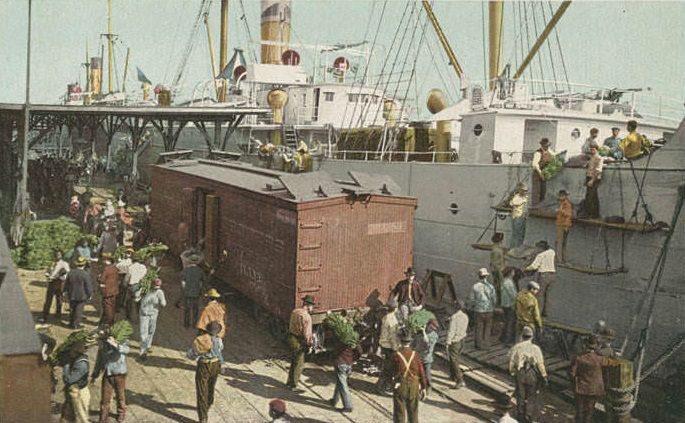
[519, 213]
[111, 362]
[277, 410]
[424, 343]
[300, 338]
[79, 290]
[207, 349]
[563, 223]
[542, 157]
[456, 335]
[409, 293]
[482, 301]
[527, 366]
[527, 309]
[497, 262]
[193, 280]
[543, 264]
[613, 142]
[389, 342]
[590, 141]
[593, 177]
[410, 382]
[213, 311]
[150, 305]
[586, 373]
[109, 289]
[56, 278]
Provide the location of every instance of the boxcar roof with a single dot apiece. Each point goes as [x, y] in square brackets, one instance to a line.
[301, 187]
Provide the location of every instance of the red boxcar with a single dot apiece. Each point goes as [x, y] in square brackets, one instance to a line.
[276, 237]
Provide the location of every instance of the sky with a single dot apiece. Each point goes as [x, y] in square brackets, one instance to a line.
[628, 44]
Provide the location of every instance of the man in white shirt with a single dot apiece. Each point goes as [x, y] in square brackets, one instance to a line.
[519, 211]
[542, 157]
[389, 342]
[136, 272]
[543, 264]
[456, 334]
[527, 366]
[56, 278]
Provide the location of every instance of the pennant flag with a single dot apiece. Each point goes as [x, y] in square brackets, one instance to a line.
[142, 77]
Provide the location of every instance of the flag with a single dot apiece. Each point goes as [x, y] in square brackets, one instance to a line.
[142, 77]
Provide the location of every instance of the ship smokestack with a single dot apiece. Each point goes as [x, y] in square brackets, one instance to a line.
[275, 30]
[436, 103]
[96, 75]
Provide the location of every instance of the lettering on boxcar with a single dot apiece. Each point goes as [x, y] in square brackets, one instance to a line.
[386, 228]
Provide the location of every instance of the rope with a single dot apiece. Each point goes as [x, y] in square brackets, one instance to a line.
[525, 13]
[549, 48]
[640, 196]
[243, 17]
[485, 52]
[561, 52]
[539, 56]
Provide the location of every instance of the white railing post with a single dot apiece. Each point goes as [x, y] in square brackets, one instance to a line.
[433, 160]
[366, 156]
[344, 154]
[406, 156]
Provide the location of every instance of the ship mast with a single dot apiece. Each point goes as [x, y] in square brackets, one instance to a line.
[495, 37]
[109, 44]
[543, 36]
[223, 46]
[443, 40]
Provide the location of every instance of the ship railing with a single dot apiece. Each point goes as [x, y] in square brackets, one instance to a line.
[640, 102]
[391, 156]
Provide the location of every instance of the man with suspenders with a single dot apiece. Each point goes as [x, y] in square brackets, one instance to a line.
[410, 382]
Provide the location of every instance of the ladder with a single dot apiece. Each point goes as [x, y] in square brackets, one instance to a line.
[290, 136]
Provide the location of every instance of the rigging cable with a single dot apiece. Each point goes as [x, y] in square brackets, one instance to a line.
[549, 47]
[485, 60]
[243, 17]
[561, 53]
[539, 56]
[525, 12]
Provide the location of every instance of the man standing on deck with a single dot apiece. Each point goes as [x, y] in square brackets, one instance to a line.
[631, 146]
[497, 263]
[109, 289]
[613, 142]
[456, 335]
[79, 290]
[543, 264]
[593, 177]
[590, 141]
[410, 382]
[563, 224]
[527, 310]
[586, 373]
[482, 300]
[193, 280]
[300, 338]
[527, 366]
[542, 157]
[519, 213]
[389, 342]
[56, 278]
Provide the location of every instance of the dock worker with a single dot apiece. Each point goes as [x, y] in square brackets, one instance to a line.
[207, 349]
[519, 213]
[527, 366]
[482, 301]
[150, 305]
[214, 310]
[456, 336]
[508, 302]
[424, 343]
[612, 144]
[410, 382]
[527, 309]
[109, 289]
[389, 341]
[76, 392]
[136, 273]
[122, 265]
[590, 141]
[56, 277]
[631, 146]
[111, 362]
[543, 264]
[409, 293]
[193, 280]
[300, 339]
[79, 290]
[108, 240]
[542, 157]
[593, 177]
[345, 356]
[563, 223]
[605, 336]
[497, 263]
[588, 385]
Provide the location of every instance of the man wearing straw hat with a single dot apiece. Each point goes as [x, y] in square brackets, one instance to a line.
[79, 290]
[213, 311]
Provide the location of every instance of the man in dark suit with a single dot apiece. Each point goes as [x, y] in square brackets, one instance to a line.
[409, 293]
[586, 371]
[79, 290]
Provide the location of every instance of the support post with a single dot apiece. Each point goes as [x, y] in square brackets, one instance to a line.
[618, 377]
